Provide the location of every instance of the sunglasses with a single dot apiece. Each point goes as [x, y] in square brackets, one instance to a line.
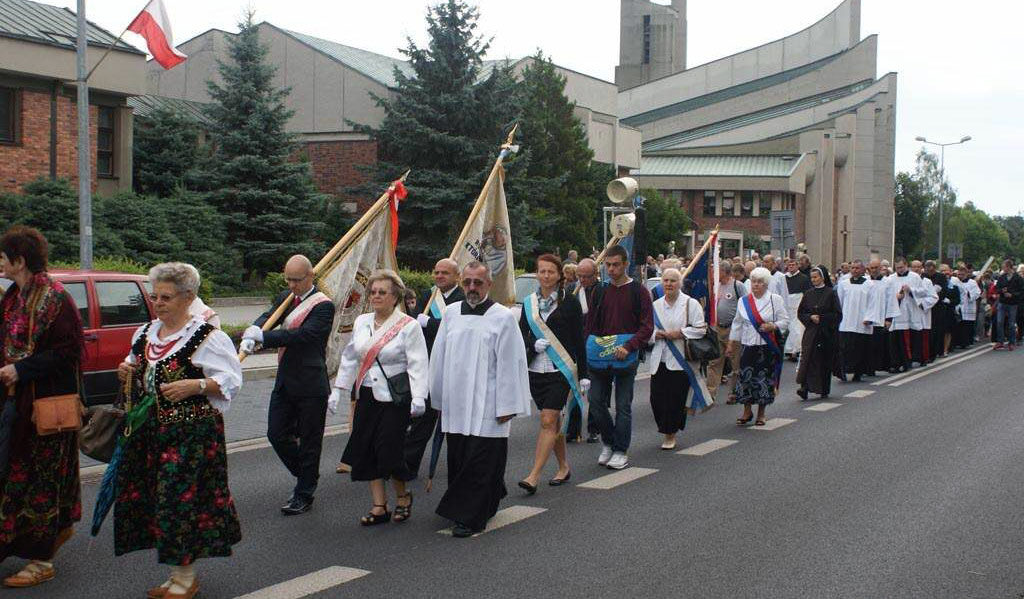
[378, 292]
[473, 282]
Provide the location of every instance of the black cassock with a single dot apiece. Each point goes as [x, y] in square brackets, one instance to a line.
[820, 343]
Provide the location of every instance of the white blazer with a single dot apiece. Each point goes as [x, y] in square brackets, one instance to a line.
[407, 352]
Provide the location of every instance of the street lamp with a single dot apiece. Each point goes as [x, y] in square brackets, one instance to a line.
[942, 169]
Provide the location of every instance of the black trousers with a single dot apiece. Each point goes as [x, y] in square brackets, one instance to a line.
[899, 349]
[856, 357]
[880, 360]
[575, 422]
[964, 336]
[417, 438]
[476, 479]
[295, 428]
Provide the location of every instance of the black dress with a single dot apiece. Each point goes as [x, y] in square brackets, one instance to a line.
[820, 341]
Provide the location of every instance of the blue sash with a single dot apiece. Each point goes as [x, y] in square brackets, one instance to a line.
[556, 351]
[700, 398]
[750, 307]
[436, 304]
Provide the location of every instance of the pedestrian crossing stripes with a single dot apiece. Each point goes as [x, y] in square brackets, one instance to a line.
[860, 393]
[702, 449]
[309, 584]
[615, 479]
[822, 407]
[774, 423]
[509, 515]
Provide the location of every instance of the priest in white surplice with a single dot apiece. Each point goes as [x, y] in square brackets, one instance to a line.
[479, 383]
[857, 325]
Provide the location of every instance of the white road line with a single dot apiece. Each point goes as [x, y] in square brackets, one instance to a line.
[610, 481]
[774, 423]
[702, 449]
[860, 393]
[936, 363]
[310, 584]
[822, 407]
[937, 368]
[509, 515]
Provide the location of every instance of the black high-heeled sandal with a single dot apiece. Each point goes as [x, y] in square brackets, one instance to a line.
[372, 519]
[744, 421]
[403, 512]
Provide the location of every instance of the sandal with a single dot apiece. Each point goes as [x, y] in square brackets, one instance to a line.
[372, 519]
[29, 576]
[732, 400]
[744, 421]
[403, 512]
[759, 422]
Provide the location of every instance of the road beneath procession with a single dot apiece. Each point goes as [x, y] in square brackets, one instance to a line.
[898, 487]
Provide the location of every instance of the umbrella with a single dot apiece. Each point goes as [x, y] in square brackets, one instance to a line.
[435, 453]
[108, 489]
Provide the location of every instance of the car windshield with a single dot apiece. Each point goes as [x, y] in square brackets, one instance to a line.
[525, 285]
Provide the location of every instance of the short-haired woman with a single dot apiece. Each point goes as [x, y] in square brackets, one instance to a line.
[172, 482]
[552, 326]
[761, 319]
[42, 346]
[385, 343]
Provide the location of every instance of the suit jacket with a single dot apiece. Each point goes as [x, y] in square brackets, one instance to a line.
[430, 331]
[566, 322]
[303, 368]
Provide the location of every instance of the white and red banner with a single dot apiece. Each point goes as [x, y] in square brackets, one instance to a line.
[152, 24]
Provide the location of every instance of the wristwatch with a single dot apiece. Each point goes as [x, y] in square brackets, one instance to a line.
[202, 386]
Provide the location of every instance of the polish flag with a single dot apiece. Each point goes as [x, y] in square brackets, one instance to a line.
[153, 24]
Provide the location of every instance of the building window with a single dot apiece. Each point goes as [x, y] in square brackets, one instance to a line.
[709, 203]
[746, 203]
[647, 39]
[765, 204]
[728, 203]
[8, 115]
[105, 143]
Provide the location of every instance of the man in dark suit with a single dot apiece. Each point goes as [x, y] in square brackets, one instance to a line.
[446, 275]
[298, 403]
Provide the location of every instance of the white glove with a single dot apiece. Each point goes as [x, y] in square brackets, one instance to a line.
[584, 386]
[253, 332]
[541, 345]
[417, 408]
[247, 346]
[423, 319]
[334, 400]
[945, 301]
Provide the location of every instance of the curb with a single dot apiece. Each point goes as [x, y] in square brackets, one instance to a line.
[245, 300]
[259, 374]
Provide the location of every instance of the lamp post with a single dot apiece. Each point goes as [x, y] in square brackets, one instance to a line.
[942, 169]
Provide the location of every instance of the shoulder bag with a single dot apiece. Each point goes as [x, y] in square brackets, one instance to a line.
[398, 386]
[705, 349]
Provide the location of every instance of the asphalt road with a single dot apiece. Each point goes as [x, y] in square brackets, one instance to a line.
[909, 491]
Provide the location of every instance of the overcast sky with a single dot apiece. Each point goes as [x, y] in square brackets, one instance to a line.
[960, 65]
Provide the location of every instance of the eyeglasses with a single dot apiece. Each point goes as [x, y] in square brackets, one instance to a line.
[296, 279]
[473, 282]
[378, 292]
[162, 298]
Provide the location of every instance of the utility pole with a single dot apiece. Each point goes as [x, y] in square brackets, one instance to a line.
[84, 154]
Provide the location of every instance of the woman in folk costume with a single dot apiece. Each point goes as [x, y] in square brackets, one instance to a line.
[677, 317]
[552, 326]
[42, 347]
[386, 347]
[820, 313]
[760, 321]
[172, 481]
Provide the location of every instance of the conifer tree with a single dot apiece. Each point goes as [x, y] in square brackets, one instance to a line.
[165, 150]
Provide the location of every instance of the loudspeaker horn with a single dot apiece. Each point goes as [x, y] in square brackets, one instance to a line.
[623, 190]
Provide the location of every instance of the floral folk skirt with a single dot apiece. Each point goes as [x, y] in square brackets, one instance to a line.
[172, 492]
[754, 383]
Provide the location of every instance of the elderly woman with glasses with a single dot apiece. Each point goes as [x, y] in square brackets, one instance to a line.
[172, 482]
[384, 367]
[761, 319]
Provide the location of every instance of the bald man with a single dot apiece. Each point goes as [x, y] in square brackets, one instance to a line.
[298, 403]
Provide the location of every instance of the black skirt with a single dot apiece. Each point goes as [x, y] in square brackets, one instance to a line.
[550, 390]
[375, 447]
[669, 389]
[476, 479]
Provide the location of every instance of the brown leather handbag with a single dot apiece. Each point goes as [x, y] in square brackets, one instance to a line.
[57, 413]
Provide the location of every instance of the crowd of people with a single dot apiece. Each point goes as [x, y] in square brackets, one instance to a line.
[451, 365]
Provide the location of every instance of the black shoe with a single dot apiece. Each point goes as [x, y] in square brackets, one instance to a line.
[530, 489]
[461, 531]
[557, 482]
[802, 393]
[298, 505]
[593, 438]
[857, 378]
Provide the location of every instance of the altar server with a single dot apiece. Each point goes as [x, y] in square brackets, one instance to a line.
[857, 326]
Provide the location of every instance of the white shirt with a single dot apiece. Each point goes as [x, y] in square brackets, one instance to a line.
[216, 357]
[772, 308]
[856, 302]
[206, 313]
[406, 352]
[685, 315]
[541, 363]
[779, 286]
[907, 306]
[969, 294]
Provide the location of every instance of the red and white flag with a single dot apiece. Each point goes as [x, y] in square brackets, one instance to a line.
[153, 24]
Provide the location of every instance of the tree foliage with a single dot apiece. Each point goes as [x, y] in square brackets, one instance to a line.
[165, 151]
[666, 221]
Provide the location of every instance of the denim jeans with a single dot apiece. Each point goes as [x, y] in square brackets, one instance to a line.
[1006, 321]
[616, 434]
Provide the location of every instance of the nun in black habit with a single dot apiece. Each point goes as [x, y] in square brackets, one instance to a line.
[820, 313]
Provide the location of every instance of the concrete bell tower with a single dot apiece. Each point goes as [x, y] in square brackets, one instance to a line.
[652, 41]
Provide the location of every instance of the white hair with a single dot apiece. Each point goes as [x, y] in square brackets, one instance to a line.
[673, 271]
[184, 276]
[761, 274]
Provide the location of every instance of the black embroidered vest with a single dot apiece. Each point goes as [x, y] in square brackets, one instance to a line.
[175, 367]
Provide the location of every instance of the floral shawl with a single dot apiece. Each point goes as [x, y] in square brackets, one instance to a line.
[28, 313]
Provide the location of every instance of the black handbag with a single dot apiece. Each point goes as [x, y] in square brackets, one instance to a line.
[705, 349]
[398, 386]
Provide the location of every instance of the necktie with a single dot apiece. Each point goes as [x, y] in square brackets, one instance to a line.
[296, 301]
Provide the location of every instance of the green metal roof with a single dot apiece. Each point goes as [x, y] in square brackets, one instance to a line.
[145, 106]
[717, 166]
[53, 25]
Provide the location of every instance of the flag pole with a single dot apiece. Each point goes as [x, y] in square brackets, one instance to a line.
[698, 255]
[109, 48]
[477, 207]
[330, 257]
[84, 154]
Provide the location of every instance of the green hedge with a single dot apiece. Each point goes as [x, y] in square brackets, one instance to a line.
[127, 265]
[417, 280]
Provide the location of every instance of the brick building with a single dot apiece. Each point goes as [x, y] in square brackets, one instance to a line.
[38, 112]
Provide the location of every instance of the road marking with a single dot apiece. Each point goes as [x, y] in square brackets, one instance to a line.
[702, 449]
[938, 368]
[310, 584]
[822, 407]
[774, 423]
[903, 375]
[509, 515]
[610, 481]
[859, 393]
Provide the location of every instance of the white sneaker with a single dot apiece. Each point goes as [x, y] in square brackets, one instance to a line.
[606, 455]
[618, 461]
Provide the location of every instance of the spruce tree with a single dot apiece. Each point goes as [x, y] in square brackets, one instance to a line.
[447, 125]
[268, 199]
[166, 149]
